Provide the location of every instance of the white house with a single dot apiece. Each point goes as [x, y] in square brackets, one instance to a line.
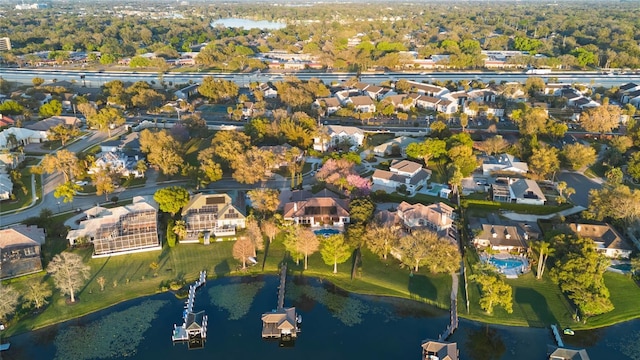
[402, 172]
[335, 134]
[525, 191]
[209, 215]
[268, 91]
[6, 186]
[362, 104]
[428, 89]
[505, 163]
[12, 137]
[331, 105]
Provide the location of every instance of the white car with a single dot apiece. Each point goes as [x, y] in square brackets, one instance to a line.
[82, 183]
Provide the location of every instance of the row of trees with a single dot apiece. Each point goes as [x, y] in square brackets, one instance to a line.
[68, 272]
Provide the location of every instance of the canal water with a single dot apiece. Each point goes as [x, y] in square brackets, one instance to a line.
[336, 325]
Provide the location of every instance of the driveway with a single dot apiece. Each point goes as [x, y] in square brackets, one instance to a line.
[581, 184]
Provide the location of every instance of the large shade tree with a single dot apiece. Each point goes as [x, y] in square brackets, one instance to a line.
[171, 199]
[69, 273]
[335, 251]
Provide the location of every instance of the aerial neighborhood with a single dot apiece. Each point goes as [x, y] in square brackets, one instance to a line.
[375, 179]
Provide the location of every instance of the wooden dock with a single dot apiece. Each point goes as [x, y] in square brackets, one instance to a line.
[194, 325]
[556, 335]
[453, 311]
[281, 323]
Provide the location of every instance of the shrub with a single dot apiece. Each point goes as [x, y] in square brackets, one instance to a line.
[171, 236]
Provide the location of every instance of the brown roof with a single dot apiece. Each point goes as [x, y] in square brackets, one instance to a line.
[361, 100]
[331, 102]
[322, 200]
[603, 233]
[46, 124]
[501, 235]
[21, 235]
[443, 350]
[405, 166]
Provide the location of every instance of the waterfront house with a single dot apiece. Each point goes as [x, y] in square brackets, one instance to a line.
[608, 241]
[402, 173]
[501, 238]
[436, 217]
[211, 214]
[120, 230]
[440, 350]
[317, 209]
[20, 250]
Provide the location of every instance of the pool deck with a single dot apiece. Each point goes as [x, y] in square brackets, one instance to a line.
[509, 272]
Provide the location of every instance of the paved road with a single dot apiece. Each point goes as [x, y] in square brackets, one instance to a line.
[581, 184]
[96, 79]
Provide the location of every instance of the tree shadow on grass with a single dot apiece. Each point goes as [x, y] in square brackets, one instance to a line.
[421, 287]
[222, 268]
[534, 307]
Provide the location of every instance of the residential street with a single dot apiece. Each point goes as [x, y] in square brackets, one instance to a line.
[581, 184]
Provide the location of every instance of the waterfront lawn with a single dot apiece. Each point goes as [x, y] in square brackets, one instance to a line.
[375, 277]
[624, 296]
[129, 276]
[540, 303]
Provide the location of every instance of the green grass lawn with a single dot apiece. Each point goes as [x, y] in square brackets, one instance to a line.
[129, 276]
[536, 303]
[540, 303]
[23, 200]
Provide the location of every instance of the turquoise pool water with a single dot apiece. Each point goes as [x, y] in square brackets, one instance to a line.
[326, 232]
[506, 263]
[623, 267]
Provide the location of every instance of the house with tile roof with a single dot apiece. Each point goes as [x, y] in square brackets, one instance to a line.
[20, 250]
[324, 208]
[608, 241]
[120, 230]
[402, 172]
[209, 215]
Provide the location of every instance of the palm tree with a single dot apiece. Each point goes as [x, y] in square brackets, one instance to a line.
[544, 249]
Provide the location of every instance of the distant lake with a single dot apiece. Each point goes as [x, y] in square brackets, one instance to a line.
[336, 325]
[248, 24]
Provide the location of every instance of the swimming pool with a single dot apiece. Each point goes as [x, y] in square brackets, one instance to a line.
[326, 232]
[506, 263]
[622, 267]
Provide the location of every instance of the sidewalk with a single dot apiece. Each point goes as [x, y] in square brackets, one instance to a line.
[533, 218]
